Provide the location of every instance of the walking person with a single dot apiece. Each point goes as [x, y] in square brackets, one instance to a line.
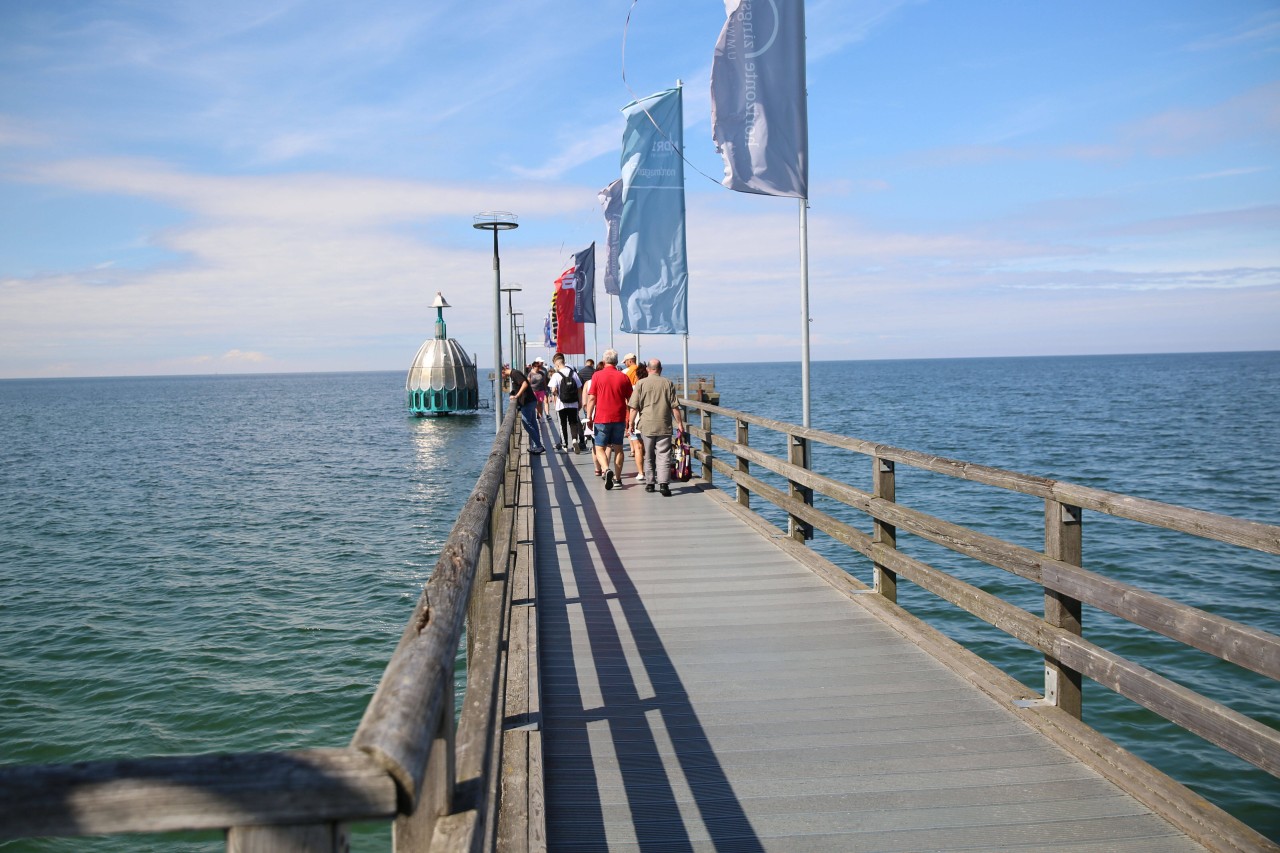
[585, 374]
[538, 384]
[607, 409]
[652, 411]
[637, 446]
[629, 366]
[523, 399]
[566, 390]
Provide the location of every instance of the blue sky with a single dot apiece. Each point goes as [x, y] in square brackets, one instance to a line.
[194, 187]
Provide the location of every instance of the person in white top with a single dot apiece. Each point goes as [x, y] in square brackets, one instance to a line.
[566, 388]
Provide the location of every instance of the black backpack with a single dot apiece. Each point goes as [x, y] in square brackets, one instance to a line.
[569, 387]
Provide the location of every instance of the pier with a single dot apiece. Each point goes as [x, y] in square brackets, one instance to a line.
[687, 673]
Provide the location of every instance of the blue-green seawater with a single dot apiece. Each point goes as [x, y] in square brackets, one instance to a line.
[204, 564]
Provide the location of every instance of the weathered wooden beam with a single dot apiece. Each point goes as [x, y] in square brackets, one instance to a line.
[417, 685]
[884, 487]
[316, 838]
[1063, 541]
[194, 792]
[1231, 641]
[1208, 525]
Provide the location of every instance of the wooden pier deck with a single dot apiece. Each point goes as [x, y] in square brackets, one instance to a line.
[702, 689]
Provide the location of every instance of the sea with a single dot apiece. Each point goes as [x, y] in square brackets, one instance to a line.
[225, 563]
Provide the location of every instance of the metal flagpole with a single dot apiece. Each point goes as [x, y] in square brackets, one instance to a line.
[686, 364]
[804, 311]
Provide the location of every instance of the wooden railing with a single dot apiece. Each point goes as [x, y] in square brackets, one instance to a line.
[408, 762]
[727, 452]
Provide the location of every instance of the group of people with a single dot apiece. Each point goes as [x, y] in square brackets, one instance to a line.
[635, 404]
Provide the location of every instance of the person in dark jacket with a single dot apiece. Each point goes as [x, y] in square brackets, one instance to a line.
[523, 399]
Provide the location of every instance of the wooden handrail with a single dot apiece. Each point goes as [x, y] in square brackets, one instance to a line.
[1208, 525]
[1231, 641]
[1063, 581]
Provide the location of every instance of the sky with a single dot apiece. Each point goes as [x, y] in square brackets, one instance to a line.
[283, 185]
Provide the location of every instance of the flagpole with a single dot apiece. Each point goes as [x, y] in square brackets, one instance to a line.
[804, 311]
[686, 364]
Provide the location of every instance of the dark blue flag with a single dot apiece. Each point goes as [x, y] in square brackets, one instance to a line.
[584, 277]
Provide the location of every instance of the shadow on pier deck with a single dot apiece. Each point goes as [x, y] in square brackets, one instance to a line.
[704, 690]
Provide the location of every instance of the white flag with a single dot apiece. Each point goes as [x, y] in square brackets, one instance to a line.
[611, 199]
[759, 116]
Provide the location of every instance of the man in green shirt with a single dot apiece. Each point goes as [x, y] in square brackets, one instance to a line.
[651, 410]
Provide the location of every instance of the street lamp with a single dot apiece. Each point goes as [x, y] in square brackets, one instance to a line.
[495, 221]
[517, 326]
[511, 321]
[520, 337]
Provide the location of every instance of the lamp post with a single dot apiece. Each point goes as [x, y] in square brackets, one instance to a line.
[511, 320]
[517, 326]
[495, 221]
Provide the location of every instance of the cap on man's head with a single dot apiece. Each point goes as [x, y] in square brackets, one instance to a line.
[629, 357]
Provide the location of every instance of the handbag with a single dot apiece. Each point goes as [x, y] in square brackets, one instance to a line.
[681, 458]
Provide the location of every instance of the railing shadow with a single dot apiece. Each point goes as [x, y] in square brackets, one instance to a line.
[651, 787]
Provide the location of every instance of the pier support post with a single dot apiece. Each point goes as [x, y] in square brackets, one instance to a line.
[705, 417]
[884, 486]
[1063, 541]
[798, 455]
[415, 830]
[317, 838]
[743, 438]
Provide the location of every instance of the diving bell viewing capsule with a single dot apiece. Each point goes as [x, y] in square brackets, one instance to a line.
[442, 379]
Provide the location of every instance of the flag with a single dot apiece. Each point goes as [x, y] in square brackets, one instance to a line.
[653, 270]
[548, 338]
[584, 283]
[611, 198]
[759, 117]
[570, 335]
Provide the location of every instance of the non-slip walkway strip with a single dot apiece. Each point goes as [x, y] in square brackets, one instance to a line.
[704, 691]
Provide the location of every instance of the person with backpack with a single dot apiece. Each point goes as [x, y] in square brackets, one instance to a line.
[566, 389]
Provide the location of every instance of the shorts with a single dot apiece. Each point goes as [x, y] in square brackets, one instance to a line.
[607, 434]
[541, 395]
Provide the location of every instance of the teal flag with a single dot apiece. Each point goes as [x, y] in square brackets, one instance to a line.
[653, 270]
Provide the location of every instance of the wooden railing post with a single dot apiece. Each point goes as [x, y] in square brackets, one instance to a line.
[319, 838]
[1063, 541]
[414, 831]
[743, 438]
[884, 486]
[706, 446]
[798, 454]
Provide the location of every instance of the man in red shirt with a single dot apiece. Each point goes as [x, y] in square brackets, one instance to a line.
[607, 397]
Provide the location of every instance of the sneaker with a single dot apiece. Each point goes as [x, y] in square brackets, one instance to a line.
[649, 487]
[665, 489]
[558, 446]
[608, 479]
[537, 450]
